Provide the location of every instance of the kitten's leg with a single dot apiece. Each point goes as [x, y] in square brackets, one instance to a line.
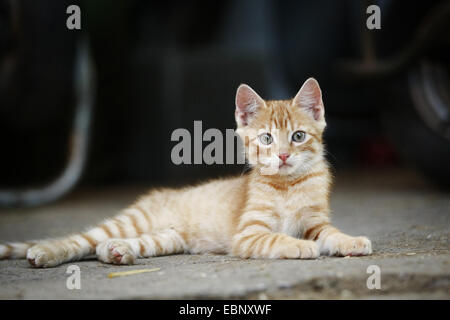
[125, 251]
[264, 244]
[50, 253]
[255, 237]
[333, 242]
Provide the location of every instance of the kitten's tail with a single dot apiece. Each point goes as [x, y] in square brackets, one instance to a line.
[15, 250]
[130, 223]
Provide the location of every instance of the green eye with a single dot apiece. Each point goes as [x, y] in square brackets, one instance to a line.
[265, 138]
[298, 136]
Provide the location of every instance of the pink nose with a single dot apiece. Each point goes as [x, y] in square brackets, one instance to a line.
[283, 156]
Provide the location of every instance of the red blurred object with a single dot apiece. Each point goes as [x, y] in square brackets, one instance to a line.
[377, 152]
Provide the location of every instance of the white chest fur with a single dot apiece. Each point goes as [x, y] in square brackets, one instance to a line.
[289, 223]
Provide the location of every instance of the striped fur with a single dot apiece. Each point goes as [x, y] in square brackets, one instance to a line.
[284, 214]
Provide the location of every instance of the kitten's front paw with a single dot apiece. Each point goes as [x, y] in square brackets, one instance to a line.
[309, 250]
[301, 249]
[41, 256]
[343, 245]
[115, 251]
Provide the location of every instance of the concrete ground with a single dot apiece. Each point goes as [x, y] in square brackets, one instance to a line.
[407, 220]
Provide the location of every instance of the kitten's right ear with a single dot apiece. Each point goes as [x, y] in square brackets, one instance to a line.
[247, 104]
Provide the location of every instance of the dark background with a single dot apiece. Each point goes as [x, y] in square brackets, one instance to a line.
[161, 65]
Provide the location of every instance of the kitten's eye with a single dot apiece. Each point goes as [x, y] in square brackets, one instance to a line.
[298, 136]
[265, 138]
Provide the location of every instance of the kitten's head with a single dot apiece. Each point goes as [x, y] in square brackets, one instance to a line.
[282, 137]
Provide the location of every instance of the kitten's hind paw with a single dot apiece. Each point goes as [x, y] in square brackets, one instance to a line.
[115, 251]
[42, 257]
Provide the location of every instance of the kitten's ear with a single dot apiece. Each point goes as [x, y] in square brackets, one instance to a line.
[309, 97]
[247, 104]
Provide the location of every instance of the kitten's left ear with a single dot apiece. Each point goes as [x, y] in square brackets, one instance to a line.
[309, 98]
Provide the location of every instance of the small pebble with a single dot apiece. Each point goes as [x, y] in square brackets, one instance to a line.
[263, 296]
[346, 294]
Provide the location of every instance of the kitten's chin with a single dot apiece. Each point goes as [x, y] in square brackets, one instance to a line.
[295, 171]
[285, 170]
[288, 170]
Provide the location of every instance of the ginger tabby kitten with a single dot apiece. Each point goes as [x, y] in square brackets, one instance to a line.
[279, 210]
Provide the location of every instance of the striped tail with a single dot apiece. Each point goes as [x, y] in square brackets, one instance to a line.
[15, 250]
[49, 253]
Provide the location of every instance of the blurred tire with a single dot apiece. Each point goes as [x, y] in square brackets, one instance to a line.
[418, 120]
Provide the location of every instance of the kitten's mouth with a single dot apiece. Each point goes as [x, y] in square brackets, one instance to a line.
[284, 165]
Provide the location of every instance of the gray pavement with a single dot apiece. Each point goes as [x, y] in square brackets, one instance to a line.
[407, 220]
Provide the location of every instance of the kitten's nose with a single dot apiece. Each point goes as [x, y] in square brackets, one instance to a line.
[283, 156]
